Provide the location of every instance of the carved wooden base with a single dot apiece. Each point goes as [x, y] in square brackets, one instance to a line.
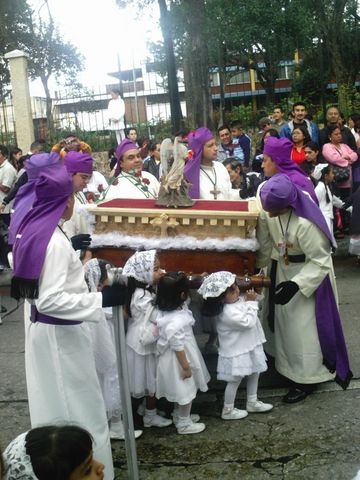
[189, 261]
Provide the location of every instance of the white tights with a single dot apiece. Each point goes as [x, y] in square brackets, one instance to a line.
[232, 387]
[183, 410]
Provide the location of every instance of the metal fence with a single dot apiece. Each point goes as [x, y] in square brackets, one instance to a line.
[144, 90]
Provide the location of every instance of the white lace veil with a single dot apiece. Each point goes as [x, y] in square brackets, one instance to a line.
[216, 283]
[141, 266]
[17, 462]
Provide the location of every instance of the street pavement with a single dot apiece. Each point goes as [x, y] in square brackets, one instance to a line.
[316, 439]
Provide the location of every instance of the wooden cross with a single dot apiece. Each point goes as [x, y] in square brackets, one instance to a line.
[164, 223]
[284, 251]
[215, 192]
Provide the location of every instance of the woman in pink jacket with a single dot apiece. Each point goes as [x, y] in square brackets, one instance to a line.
[341, 155]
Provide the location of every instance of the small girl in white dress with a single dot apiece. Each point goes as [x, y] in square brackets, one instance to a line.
[143, 272]
[181, 370]
[241, 336]
[324, 174]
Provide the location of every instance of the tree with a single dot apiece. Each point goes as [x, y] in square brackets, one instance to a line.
[50, 55]
[196, 65]
[339, 31]
[259, 36]
[15, 28]
[173, 88]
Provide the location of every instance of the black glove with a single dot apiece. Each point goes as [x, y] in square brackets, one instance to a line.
[81, 241]
[284, 292]
[113, 295]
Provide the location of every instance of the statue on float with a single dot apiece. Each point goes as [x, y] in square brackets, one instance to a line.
[174, 189]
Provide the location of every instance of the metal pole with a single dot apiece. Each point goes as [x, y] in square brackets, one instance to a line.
[125, 393]
[135, 92]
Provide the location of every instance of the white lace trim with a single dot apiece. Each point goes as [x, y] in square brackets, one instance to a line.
[17, 463]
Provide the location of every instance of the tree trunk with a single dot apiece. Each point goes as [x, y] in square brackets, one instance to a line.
[49, 117]
[222, 82]
[196, 52]
[175, 107]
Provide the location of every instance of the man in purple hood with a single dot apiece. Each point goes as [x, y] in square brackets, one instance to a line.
[304, 333]
[209, 178]
[80, 167]
[61, 378]
[277, 159]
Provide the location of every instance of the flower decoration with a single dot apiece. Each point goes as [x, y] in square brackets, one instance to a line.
[100, 188]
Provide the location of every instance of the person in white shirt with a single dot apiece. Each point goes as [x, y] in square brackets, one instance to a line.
[327, 201]
[116, 113]
[7, 180]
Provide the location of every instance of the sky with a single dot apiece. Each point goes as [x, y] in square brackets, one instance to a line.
[103, 33]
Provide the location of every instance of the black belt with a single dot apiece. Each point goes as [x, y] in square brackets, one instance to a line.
[271, 312]
[297, 258]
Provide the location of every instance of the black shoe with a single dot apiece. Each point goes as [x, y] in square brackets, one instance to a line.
[3, 309]
[295, 395]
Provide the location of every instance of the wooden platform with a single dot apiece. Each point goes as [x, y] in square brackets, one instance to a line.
[205, 219]
[189, 261]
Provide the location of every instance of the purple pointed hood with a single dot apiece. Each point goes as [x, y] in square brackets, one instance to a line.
[196, 141]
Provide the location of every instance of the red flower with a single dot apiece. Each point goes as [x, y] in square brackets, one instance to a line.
[190, 154]
[90, 197]
[100, 187]
[146, 181]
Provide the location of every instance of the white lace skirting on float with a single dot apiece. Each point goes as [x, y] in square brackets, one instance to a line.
[230, 368]
[142, 373]
[169, 382]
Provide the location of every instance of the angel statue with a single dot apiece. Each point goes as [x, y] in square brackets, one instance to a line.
[174, 189]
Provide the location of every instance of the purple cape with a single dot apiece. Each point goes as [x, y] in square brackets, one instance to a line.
[35, 165]
[278, 193]
[51, 196]
[279, 149]
[196, 141]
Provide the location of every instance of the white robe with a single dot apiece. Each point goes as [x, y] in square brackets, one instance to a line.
[125, 187]
[61, 377]
[219, 173]
[295, 342]
[327, 208]
[116, 112]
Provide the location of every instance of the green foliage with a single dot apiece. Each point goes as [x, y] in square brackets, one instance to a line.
[50, 55]
[245, 114]
[99, 141]
[14, 34]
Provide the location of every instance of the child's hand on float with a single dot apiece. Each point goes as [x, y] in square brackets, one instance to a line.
[250, 295]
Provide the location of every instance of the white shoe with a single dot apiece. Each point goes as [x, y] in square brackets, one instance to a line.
[234, 414]
[141, 410]
[156, 421]
[117, 431]
[258, 407]
[193, 416]
[190, 428]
